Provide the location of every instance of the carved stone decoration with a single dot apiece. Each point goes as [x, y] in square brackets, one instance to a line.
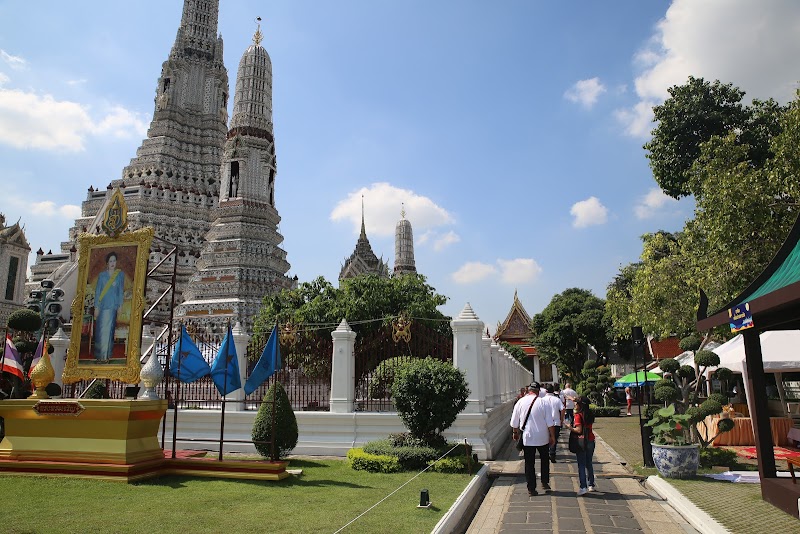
[151, 375]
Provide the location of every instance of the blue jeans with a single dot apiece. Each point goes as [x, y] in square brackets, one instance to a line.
[585, 467]
[569, 415]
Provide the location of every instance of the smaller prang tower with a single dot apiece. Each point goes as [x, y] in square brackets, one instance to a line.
[404, 247]
[241, 260]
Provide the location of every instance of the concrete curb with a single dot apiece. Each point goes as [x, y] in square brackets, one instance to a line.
[467, 502]
[693, 515]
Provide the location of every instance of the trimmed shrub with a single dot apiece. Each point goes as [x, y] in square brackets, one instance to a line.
[712, 456]
[97, 390]
[690, 342]
[25, 346]
[374, 463]
[706, 358]
[286, 433]
[409, 457]
[457, 464]
[25, 320]
[429, 394]
[607, 411]
[719, 397]
[380, 384]
[669, 365]
[650, 411]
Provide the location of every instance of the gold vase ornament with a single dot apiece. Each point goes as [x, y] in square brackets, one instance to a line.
[41, 376]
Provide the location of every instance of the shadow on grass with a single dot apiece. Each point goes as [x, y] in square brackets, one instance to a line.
[179, 482]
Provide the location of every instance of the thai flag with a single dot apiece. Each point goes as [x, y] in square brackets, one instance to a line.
[40, 348]
[11, 363]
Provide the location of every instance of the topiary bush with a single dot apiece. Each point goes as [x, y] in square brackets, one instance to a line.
[669, 365]
[706, 358]
[718, 456]
[409, 457]
[286, 433]
[456, 464]
[374, 463]
[690, 342]
[380, 384]
[429, 394]
[605, 411]
[25, 320]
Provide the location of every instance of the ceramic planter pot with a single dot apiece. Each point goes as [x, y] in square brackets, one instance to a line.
[676, 461]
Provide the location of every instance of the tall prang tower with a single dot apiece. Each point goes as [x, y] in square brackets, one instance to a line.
[173, 183]
[404, 247]
[241, 260]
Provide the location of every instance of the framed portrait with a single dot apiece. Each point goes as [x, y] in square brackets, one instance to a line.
[108, 306]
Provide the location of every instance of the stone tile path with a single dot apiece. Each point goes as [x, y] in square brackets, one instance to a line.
[620, 504]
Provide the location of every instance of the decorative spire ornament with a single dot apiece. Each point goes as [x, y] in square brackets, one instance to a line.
[258, 36]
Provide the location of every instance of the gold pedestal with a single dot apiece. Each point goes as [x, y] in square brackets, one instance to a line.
[97, 431]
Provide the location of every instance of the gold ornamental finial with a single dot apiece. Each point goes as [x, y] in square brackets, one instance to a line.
[403, 210]
[258, 36]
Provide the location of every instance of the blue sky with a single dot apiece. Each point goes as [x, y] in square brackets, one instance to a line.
[512, 131]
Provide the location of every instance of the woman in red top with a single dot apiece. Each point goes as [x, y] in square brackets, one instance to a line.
[584, 418]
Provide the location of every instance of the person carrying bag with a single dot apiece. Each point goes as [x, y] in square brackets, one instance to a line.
[536, 435]
[582, 443]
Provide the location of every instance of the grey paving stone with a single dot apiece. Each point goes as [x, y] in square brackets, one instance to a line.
[568, 511]
[615, 530]
[571, 523]
[515, 517]
[626, 522]
[601, 520]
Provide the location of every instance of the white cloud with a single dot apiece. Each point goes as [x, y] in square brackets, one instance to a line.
[3, 79]
[585, 92]
[32, 121]
[80, 81]
[512, 272]
[48, 208]
[752, 45]
[382, 205]
[15, 62]
[472, 272]
[519, 271]
[589, 212]
[638, 120]
[653, 203]
[445, 240]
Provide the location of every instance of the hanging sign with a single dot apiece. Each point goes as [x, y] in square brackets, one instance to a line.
[740, 317]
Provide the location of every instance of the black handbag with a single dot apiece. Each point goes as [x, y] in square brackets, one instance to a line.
[577, 443]
[520, 444]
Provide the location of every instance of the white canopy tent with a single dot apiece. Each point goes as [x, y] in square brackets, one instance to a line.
[780, 351]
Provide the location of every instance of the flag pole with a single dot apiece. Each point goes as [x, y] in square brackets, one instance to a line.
[177, 395]
[225, 390]
[3, 356]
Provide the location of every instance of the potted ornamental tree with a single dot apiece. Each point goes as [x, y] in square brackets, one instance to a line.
[674, 455]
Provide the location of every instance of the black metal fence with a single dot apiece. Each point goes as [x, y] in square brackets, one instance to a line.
[379, 352]
[306, 370]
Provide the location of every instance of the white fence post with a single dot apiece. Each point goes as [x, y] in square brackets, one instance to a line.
[240, 341]
[60, 342]
[495, 352]
[486, 370]
[343, 381]
[467, 348]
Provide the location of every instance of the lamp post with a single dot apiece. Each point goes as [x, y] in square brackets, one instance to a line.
[637, 343]
[47, 303]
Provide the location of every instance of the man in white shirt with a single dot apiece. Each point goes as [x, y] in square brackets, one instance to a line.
[558, 416]
[569, 405]
[534, 415]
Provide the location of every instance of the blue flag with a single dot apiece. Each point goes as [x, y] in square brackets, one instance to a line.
[187, 364]
[269, 362]
[225, 369]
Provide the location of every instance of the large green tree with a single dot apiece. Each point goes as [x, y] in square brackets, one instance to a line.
[744, 207]
[572, 320]
[363, 298]
[694, 113]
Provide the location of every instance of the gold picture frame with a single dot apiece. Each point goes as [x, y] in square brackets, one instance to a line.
[107, 310]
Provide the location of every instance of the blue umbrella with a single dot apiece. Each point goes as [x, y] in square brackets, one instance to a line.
[640, 378]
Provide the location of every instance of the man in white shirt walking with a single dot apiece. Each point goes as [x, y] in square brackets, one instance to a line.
[534, 415]
[569, 402]
[558, 416]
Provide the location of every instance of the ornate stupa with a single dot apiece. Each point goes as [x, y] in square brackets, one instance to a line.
[363, 260]
[403, 247]
[241, 260]
[14, 250]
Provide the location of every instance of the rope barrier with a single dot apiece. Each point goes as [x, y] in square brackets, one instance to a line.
[395, 491]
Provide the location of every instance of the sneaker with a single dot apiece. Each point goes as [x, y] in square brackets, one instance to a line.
[533, 493]
[552, 459]
[546, 487]
[582, 491]
[630, 414]
[592, 488]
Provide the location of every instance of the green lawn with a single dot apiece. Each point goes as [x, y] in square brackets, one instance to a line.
[324, 498]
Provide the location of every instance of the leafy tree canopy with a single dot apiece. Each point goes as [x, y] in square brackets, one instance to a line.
[362, 298]
[563, 329]
[694, 113]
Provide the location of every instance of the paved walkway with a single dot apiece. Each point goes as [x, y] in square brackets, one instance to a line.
[620, 504]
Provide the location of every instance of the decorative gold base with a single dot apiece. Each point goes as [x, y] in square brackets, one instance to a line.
[104, 439]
